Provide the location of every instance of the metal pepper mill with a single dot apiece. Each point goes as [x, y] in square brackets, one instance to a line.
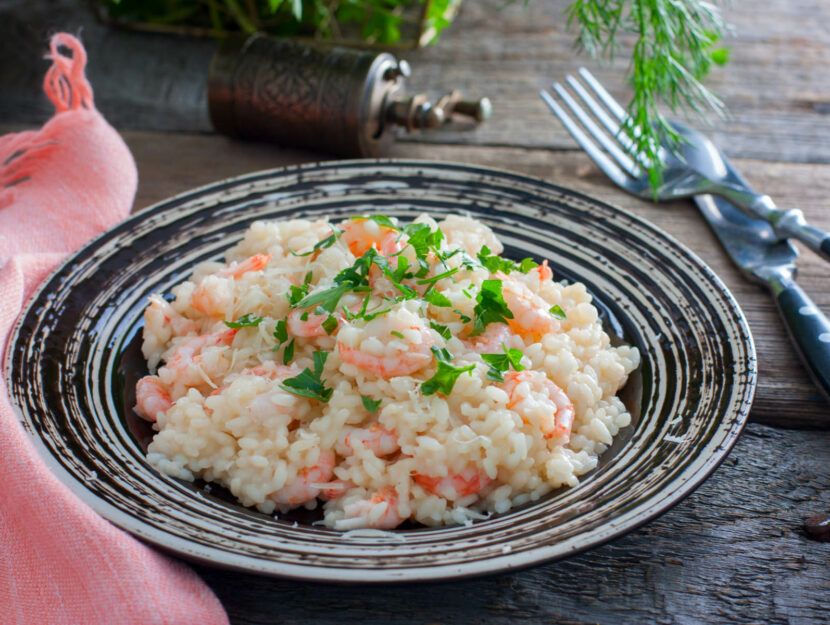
[332, 99]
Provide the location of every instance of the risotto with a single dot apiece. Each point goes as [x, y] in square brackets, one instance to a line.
[385, 371]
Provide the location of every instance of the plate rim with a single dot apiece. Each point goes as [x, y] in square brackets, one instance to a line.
[206, 555]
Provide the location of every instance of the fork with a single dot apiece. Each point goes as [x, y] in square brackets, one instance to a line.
[614, 153]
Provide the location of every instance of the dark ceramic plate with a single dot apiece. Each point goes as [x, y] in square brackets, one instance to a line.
[72, 360]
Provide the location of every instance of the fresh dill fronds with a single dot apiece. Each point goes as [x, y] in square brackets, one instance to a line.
[676, 44]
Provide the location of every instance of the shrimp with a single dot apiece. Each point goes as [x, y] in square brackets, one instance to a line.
[188, 353]
[544, 272]
[531, 314]
[491, 341]
[374, 348]
[360, 235]
[151, 398]
[311, 327]
[378, 512]
[161, 310]
[236, 270]
[375, 438]
[308, 483]
[469, 482]
[214, 295]
[539, 401]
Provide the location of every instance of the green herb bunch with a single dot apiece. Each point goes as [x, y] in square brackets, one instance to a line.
[378, 21]
[675, 46]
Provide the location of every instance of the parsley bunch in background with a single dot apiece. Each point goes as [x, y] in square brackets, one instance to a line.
[380, 22]
[675, 46]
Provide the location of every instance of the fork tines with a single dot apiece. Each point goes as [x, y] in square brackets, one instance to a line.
[599, 143]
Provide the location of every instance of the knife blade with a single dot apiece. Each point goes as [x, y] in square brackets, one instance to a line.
[762, 257]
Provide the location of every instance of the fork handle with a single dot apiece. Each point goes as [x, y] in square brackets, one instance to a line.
[787, 224]
[808, 327]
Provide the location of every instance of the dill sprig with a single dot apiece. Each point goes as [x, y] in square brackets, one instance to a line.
[675, 47]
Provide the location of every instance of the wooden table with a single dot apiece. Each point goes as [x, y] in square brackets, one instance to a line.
[734, 551]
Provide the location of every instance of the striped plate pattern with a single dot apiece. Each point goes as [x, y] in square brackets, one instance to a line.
[73, 359]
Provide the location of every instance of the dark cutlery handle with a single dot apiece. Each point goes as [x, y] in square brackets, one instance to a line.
[809, 329]
[825, 247]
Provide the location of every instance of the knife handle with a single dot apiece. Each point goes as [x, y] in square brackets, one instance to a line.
[787, 223]
[809, 329]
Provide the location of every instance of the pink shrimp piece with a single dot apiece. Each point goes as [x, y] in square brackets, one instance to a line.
[161, 309]
[188, 352]
[379, 512]
[544, 272]
[491, 341]
[312, 327]
[335, 489]
[469, 482]
[214, 295]
[151, 398]
[238, 269]
[376, 439]
[531, 314]
[375, 349]
[538, 400]
[308, 483]
[362, 234]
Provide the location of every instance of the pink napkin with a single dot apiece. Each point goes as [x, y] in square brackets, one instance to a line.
[59, 561]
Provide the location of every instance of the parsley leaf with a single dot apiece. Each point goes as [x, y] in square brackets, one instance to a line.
[464, 318]
[330, 324]
[493, 262]
[396, 333]
[499, 363]
[381, 220]
[490, 307]
[370, 404]
[438, 277]
[245, 321]
[322, 244]
[327, 298]
[556, 311]
[445, 375]
[444, 331]
[281, 333]
[437, 299]
[288, 354]
[297, 293]
[308, 383]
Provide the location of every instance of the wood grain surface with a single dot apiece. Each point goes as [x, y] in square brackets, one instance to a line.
[734, 551]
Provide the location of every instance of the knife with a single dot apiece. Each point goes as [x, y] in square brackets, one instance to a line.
[762, 256]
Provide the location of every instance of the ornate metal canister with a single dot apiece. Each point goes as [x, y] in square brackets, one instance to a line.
[337, 100]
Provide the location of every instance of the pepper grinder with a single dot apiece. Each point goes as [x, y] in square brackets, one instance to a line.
[338, 100]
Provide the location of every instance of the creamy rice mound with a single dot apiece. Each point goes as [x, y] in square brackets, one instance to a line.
[385, 371]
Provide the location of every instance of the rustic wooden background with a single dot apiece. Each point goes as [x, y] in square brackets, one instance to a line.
[733, 552]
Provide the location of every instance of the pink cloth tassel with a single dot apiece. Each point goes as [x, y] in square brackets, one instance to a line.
[60, 563]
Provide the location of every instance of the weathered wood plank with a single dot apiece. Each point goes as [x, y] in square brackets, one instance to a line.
[733, 552]
[171, 164]
[776, 84]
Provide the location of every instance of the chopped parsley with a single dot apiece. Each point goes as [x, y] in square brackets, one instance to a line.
[330, 324]
[490, 307]
[381, 220]
[464, 318]
[309, 383]
[245, 321]
[371, 405]
[493, 262]
[445, 374]
[499, 363]
[437, 299]
[322, 244]
[444, 331]
[556, 311]
[281, 333]
[288, 354]
[297, 293]
[396, 333]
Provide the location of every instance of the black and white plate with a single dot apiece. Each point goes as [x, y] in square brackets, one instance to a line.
[73, 357]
